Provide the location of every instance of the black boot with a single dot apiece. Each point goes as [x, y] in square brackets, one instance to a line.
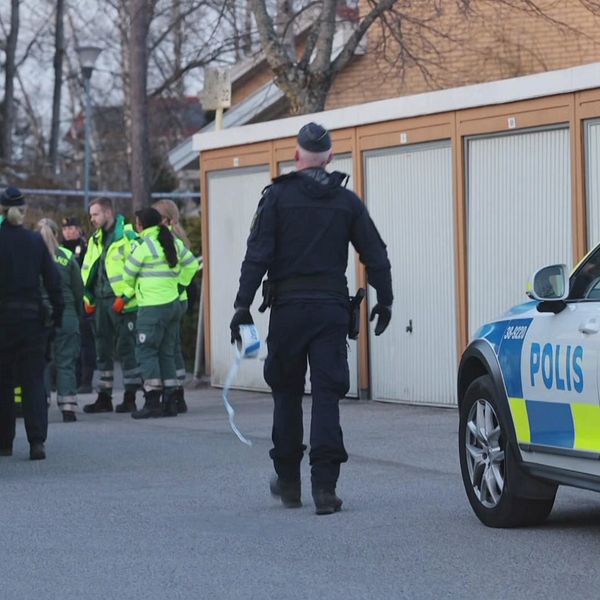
[128, 404]
[326, 501]
[288, 491]
[37, 451]
[69, 416]
[102, 404]
[169, 403]
[180, 400]
[151, 406]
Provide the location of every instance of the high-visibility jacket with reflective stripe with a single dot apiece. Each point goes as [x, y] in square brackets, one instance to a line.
[147, 273]
[125, 239]
[189, 264]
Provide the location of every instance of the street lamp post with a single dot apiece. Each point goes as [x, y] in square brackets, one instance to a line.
[87, 59]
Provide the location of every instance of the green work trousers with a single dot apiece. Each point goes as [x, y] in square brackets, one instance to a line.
[65, 353]
[115, 337]
[155, 344]
[179, 360]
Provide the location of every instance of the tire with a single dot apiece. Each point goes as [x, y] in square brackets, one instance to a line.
[493, 483]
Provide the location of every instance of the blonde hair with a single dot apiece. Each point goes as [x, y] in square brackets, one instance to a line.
[49, 231]
[15, 215]
[168, 210]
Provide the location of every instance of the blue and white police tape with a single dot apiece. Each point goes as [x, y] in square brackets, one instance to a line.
[248, 348]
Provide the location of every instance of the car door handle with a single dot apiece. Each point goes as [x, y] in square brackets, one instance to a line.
[590, 326]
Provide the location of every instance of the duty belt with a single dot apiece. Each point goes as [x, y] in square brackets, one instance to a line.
[13, 305]
[307, 283]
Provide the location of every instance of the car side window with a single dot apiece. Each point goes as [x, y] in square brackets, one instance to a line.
[584, 283]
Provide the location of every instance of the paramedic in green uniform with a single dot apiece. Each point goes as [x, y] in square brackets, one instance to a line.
[102, 273]
[190, 266]
[151, 274]
[67, 340]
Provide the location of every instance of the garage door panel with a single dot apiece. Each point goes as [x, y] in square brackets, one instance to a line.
[519, 216]
[409, 195]
[233, 198]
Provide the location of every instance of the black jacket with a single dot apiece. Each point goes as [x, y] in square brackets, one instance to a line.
[77, 247]
[302, 227]
[25, 263]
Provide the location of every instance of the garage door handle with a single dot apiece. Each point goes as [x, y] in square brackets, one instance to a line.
[590, 326]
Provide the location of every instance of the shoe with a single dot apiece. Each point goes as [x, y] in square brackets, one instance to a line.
[152, 408]
[128, 404]
[6, 451]
[180, 401]
[102, 404]
[169, 404]
[287, 491]
[69, 416]
[37, 451]
[326, 501]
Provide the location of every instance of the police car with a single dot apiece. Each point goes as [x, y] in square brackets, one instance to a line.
[529, 401]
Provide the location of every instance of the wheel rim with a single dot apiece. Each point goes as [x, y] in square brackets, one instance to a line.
[484, 453]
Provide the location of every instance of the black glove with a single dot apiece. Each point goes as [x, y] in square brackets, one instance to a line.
[242, 316]
[384, 317]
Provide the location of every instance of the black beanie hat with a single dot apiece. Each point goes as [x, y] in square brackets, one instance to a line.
[314, 138]
[12, 196]
[149, 217]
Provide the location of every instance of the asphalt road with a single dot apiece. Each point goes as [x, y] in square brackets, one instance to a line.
[179, 508]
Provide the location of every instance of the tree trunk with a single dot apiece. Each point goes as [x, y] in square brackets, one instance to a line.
[140, 146]
[59, 51]
[8, 106]
[178, 47]
[124, 26]
[307, 81]
[284, 27]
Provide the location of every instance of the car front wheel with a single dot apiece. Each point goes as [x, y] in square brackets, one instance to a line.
[486, 473]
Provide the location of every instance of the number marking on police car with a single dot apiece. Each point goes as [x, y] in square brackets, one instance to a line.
[515, 332]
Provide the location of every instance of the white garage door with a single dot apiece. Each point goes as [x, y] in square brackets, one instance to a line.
[592, 172]
[409, 195]
[341, 163]
[519, 215]
[233, 196]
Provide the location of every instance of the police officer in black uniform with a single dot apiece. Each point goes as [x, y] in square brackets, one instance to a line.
[299, 236]
[74, 241]
[25, 265]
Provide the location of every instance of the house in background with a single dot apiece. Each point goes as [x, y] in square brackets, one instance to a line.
[458, 46]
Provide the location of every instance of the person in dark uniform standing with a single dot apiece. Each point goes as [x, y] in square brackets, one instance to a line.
[74, 241]
[299, 236]
[25, 326]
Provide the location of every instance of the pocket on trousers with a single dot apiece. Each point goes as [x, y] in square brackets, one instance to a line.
[147, 337]
[341, 373]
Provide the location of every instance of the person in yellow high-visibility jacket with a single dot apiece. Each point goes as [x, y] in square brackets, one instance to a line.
[152, 273]
[105, 295]
[170, 215]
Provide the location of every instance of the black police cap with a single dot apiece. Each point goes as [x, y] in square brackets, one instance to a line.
[71, 222]
[314, 138]
[12, 196]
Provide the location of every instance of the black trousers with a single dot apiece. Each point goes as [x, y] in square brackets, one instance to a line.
[87, 356]
[22, 362]
[315, 332]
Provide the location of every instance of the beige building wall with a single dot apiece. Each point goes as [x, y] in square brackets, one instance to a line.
[488, 43]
